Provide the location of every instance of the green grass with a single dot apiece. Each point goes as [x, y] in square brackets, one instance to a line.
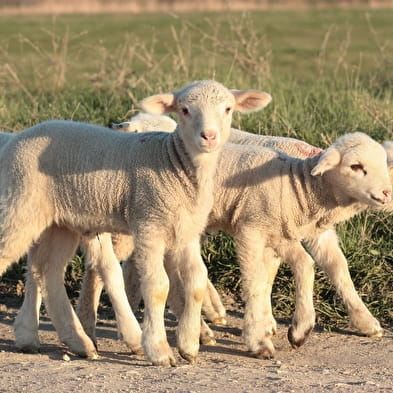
[329, 72]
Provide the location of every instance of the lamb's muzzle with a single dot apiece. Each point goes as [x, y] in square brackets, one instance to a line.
[384, 197]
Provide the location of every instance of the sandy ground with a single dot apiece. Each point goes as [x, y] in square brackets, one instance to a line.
[328, 362]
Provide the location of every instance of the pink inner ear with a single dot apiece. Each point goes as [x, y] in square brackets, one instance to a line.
[250, 100]
[159, 104]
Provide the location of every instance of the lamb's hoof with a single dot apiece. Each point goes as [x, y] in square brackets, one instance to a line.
[220, 321]
[92, 356]
[190, 358]
[376, 334]
[264, 354]
[137, 351]
[207, 340]
[297, 342]
[167, 362]
[264, 350]
[369, 328]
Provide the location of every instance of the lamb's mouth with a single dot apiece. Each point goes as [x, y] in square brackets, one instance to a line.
[378, 200]
[209, 145]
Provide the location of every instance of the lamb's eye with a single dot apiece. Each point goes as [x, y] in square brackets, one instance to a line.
[228, 109]
[358, 168]
[185, 111]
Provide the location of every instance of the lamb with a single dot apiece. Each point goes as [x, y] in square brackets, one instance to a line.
[99, 253]
[146, 170]
[143, 122]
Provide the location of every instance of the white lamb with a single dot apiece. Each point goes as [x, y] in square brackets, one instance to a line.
[59, 180]
[143, 122]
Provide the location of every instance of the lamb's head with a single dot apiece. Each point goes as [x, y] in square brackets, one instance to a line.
[143, 122]
[204, 110]
[357, 168]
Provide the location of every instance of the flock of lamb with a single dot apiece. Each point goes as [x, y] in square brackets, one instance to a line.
[146, 198]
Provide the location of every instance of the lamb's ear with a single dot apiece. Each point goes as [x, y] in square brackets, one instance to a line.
[159, 104]
[250, 100]
[388, 146]
[329, 159]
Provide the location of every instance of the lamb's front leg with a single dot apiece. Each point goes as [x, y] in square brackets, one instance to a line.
[328, 254]
[302, 266]
[149, 261]
[27, 321]
[194, 276]
[258, 274]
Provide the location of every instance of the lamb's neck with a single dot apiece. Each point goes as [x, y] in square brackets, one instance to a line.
[199, 169]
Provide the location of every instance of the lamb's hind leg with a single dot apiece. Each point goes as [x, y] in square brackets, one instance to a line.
[302, 266]
[258, 268]
[327, 253]
[100, 252]
[212, 306]
[194, 276]
[176, 299]
[27, 321]
[89, 298]
[132, 283]
[48, 261]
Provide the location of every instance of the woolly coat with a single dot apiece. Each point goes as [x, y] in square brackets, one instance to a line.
[266, 189]
[89, 182]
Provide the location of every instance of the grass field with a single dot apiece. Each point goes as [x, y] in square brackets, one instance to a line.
[329, 72]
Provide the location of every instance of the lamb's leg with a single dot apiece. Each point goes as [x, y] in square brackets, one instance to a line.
[328, 254]
[89, 298]
[302, 266]
[48, 262]
[175, 296]
[176, 299]
[258, 274]
[100, 252]
[27, 321]
[132, 283]
[149, 261]
[212, 306]
[194, 277]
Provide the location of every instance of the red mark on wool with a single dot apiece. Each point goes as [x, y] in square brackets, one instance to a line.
[307, 150]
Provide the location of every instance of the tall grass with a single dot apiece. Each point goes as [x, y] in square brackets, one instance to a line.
[329, 73]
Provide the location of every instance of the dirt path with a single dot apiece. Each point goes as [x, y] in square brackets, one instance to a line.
[329, 362]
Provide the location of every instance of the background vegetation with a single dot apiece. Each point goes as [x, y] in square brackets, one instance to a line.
[329, 72]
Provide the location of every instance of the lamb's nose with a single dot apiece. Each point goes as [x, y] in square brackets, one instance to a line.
[209, 135]
[387, 194]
